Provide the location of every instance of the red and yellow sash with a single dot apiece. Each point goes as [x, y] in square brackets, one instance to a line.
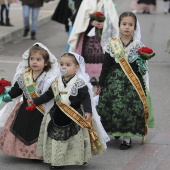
[76, 117]
[30, 87]
[120, 55]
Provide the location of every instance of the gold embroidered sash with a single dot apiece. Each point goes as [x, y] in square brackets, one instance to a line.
[120, 55]
[30, 87]
[76, 117]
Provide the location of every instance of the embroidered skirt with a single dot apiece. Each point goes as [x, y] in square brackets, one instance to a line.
[11, 145]
[120, 108]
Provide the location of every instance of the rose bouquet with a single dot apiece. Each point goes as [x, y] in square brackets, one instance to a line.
[3, 84]
[145, 53]
[30, 107]
[98, 16]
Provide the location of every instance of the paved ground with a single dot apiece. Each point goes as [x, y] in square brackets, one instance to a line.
[155, 154]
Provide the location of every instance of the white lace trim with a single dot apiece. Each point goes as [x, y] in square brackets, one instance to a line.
[72, 88]
[130, 50]
[39, 84]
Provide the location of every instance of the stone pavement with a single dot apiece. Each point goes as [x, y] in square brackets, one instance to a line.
[8, 34]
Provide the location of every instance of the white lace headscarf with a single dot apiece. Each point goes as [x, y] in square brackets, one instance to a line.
[83, 75]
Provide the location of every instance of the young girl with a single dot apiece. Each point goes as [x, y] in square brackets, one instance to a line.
[66, 136]
[123, 111]
[33, 77]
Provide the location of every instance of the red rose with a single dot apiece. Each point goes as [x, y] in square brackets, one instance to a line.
[4, 83]
[99, 14]
[2, 89]
[145, 50]
[30, 108]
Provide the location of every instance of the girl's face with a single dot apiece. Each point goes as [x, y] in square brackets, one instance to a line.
[68, 64]
[36, 62]
[127, 26]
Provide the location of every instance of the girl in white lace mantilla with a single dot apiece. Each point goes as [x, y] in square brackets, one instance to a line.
[21, 127]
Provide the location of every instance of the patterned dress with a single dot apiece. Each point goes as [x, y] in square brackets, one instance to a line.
[120, 107]
[20, 134]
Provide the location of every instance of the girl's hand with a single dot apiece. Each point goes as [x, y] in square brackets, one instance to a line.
[95, 24]
[30, 102]
[98, 90]
[100, 26]
[88, 117]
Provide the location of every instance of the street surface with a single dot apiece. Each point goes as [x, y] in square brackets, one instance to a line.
[155, 154]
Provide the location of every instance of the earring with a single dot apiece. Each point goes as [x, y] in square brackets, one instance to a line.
[133, 34]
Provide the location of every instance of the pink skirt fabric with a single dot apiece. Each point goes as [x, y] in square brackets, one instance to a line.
[93, 70]
[80, 44]
[11, 145]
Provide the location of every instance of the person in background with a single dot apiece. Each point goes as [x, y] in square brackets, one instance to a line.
[62, 13]
[146, 6]
[88, 36]
[5, 8]
[31, 9]
[124, 113]
[166, 6]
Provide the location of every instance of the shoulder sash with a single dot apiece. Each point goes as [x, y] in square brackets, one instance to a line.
[30, 87]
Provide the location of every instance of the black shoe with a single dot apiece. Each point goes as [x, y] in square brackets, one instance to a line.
[144, 12]
[85, 163]
[56, 167]
[8, 24]
[117, 137]
[125, 145]
[26, 31]
[36, 160]
[33, 35]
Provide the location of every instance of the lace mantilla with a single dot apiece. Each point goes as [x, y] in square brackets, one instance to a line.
[130, 50]
[39, 84]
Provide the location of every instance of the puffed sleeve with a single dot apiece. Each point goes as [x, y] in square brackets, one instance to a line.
[107, 64]
[85, 99]
[15, 91]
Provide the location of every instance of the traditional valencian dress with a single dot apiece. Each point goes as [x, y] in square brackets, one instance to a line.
[66, 138]
[120, 106]
[21, 128]
[62, 141]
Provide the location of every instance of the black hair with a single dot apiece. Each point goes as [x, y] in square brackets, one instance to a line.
[71, 55]
[43, 52]
[126, 14]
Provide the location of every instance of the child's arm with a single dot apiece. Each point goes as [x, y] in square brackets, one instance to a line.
[46, 97]
[86, 102]
[14, 92]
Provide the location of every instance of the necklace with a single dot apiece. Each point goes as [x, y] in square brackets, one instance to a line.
[125, 45]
